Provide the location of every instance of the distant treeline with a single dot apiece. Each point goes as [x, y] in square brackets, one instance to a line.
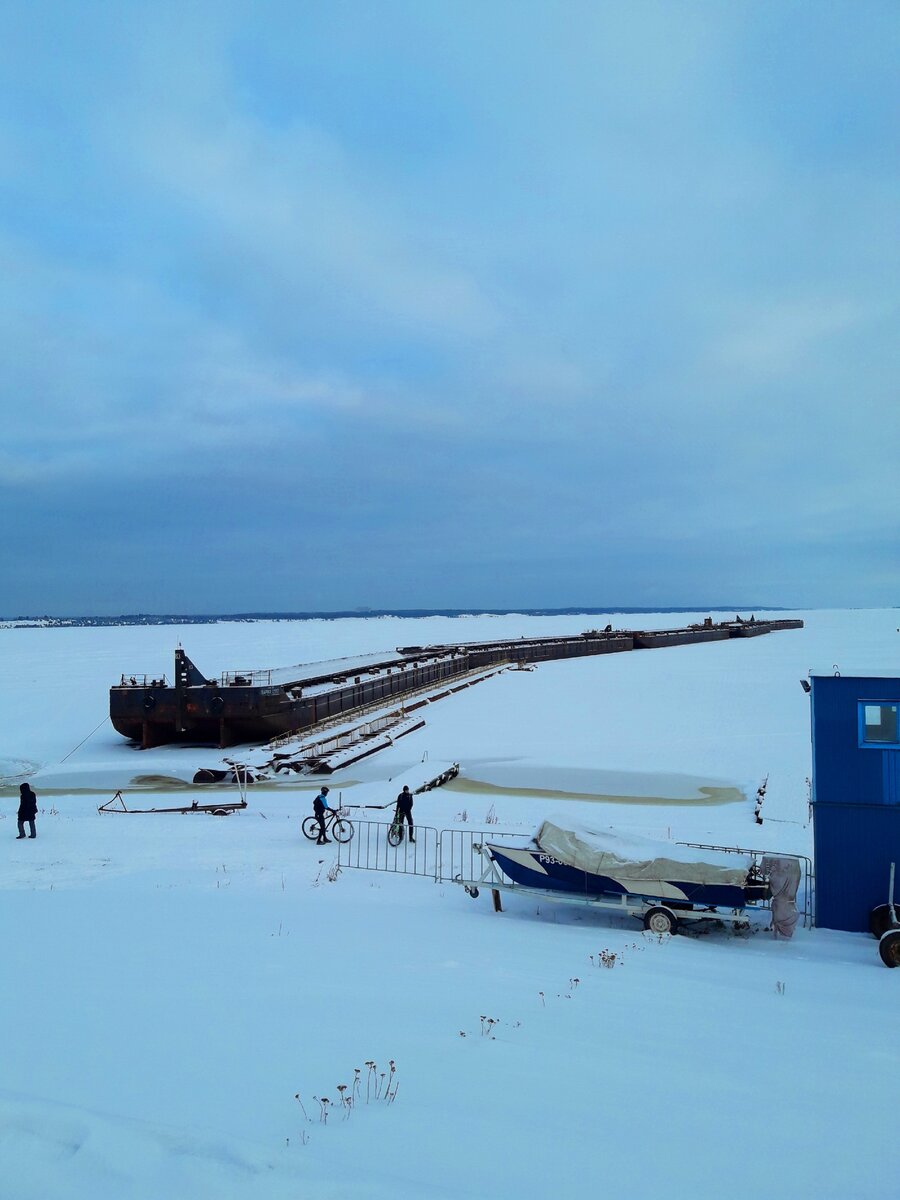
[32, 622]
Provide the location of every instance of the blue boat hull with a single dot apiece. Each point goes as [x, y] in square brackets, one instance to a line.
[535, 869]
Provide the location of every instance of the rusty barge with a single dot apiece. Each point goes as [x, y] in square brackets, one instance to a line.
[256, 706]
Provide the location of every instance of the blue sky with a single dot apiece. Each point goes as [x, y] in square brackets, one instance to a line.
[329, 305]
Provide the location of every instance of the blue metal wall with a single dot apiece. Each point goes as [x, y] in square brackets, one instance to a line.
[856, 802]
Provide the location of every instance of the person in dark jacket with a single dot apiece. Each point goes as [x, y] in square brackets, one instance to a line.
[319, 806]
[27, 809]
[404, 810]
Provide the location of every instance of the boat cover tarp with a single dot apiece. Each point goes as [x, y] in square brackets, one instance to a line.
[600, 852]
[784, 883]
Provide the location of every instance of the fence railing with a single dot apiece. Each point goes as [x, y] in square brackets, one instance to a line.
[370, 849]
[442, 855]
[261, 678]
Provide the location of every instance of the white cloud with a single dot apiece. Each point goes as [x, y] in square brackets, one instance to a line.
[778, 336]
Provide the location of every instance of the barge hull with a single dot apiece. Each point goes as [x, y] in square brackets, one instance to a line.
[255, 708]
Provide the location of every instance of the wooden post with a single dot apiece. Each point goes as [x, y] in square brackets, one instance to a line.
[495, 896]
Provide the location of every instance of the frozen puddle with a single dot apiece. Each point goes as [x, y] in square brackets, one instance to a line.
[14, 770]
[607, 787]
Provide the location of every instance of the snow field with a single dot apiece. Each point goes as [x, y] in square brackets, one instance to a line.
[170, 982]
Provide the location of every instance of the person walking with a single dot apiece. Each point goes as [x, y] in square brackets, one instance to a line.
[404, 810]
[27, 809]
[320, 804]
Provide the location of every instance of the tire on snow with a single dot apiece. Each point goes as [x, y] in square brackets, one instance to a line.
[889, 948]
[660, 920]
[880, 920]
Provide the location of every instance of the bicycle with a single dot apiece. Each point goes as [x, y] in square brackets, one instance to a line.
[395, 833]
[335, 824]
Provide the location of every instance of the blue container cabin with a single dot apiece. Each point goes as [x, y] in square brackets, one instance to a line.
[855, 794]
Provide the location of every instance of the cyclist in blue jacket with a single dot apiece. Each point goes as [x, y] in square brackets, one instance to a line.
[319, 806]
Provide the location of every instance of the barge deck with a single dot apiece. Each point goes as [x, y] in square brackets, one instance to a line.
[256, 706]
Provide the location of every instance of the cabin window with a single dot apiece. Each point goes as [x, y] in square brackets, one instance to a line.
[878, 724]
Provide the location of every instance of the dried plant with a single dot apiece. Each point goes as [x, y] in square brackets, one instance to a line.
[380, 1086]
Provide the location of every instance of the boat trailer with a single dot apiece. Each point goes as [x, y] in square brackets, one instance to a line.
[462, 856]
[657, 914]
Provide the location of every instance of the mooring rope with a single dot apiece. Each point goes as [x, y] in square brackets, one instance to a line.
[83, 740]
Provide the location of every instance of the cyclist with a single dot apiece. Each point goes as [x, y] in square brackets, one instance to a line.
[319, 805]
[404, 810]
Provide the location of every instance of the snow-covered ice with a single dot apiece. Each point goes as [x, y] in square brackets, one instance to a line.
[169, 983]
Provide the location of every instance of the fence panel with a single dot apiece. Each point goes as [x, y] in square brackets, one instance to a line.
[370, 850]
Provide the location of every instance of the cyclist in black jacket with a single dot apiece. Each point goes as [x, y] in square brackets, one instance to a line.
[404, 810]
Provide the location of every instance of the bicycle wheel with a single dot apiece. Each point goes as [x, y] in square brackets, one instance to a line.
[341, 829]
[395, 835]
[310, 828]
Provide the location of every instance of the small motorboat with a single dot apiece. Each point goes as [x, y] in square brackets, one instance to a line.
[633, 872]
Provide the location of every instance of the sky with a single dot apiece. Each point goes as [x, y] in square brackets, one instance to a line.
[507, 303]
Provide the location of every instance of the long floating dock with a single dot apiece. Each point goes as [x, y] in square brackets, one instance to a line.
[256, 706]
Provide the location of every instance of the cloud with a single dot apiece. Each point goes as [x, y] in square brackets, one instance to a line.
[780, 335]
[591, 293]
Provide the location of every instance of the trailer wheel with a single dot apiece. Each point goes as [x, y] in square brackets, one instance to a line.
[889, 948]
[880, 920]
[660, 920]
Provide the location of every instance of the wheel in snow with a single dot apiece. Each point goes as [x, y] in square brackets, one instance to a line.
[880, 920]
[889, 948]
[473, 892]
[660, 920]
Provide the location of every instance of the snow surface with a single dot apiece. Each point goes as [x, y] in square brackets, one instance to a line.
[170, 982]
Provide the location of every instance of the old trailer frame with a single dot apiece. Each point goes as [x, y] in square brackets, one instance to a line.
[220, 809]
